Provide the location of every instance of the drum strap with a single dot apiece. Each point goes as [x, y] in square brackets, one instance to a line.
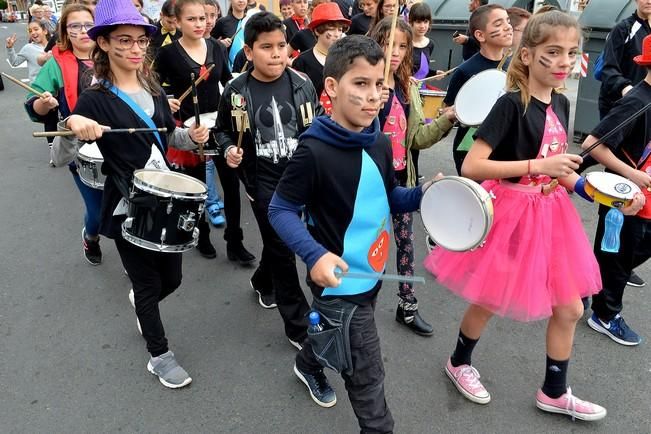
[138, 111]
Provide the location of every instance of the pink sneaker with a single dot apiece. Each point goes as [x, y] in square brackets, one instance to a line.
[466, 379]
[570, 405]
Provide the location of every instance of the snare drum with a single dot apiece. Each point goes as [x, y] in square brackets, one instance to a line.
[610, 189]
[164, 209]
[478, 95]
[457, 213]
[89, 166]
[208, 120]
[432, 102]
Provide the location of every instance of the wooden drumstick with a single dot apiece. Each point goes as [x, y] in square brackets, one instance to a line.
[201, 78]
[197, 115]
[116, 130]
[23, 85]
[437, 76]
[239, 136]
[392, 34]
[506, 55]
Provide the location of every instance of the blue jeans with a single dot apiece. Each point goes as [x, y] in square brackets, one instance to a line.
[211, 182]
[93, 201]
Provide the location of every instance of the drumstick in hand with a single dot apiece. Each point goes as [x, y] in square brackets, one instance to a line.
[115, 130]
[387, 56]
[437, 76]
[197, 115]
[23, 85]
[201, 78]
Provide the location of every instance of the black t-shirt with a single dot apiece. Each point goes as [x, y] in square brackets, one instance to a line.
[303, 40]
[158, 39]
[226, 28]
[423, 54]
[470, 48]
[337, 185]
[174, 67]
[122, 153]
[359, 24]
[291, 28]
[276, 131]
[466, 70]
[516, 134]
[307, 63]
[636, 136]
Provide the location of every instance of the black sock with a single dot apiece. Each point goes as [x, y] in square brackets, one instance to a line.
[463, 352]
[555, 378]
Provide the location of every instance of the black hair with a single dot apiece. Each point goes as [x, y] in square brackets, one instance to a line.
[343, 53]
[168, 8]
[420, 12]
[262, 22]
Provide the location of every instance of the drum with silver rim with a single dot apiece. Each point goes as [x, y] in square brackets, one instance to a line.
[610, 189]
[478, 95]
[457, 213]
[432, 102]
[89, 166]
[208, 120]
[164, 209]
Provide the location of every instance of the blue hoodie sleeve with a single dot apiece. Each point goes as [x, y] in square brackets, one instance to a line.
[284, 216]
[402, 199]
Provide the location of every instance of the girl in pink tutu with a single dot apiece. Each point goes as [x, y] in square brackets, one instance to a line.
[536, 262]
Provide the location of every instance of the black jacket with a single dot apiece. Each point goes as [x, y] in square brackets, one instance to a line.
[306, 104]
[623, 43]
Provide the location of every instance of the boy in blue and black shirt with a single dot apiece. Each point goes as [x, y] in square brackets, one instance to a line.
[342, 176]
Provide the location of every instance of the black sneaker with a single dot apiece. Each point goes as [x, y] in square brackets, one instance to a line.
[237, 253]
[206, 249]
[267, 299]
[92, 252]
[635, 280]
[319, 388]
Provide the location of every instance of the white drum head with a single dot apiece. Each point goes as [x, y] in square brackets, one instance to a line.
[457, 213]
[91, 152]
[168, 182]
[478, 95]
[612, 185]
[206, 119]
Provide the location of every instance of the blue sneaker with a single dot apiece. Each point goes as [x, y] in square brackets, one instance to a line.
[318, 386]
[215, 215]
[220, 204]
[616, 329]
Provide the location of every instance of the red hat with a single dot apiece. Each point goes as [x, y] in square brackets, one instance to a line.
[644, 59]
[327, 13]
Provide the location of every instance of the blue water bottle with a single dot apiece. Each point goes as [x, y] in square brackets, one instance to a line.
[614, 222]
[315, 323]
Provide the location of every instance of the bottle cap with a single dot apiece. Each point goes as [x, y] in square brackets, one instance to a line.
[315, 318]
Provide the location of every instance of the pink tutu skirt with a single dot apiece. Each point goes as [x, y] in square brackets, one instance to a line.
[535, 257]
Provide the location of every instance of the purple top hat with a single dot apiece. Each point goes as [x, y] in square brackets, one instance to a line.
[117, 12]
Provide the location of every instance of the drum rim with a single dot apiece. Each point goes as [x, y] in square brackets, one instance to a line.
[466, 85]
[88, 157]
[629, 196]
[164, 248]
[483, 197]
[163, 192]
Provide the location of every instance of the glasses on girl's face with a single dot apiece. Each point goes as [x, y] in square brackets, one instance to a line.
[78, 26]
[126, 42]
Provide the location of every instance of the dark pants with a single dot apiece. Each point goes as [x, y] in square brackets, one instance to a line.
[199, 172]
[277, 272]
[634, 250]
[365, 385]
[154, 276]
[232, 205]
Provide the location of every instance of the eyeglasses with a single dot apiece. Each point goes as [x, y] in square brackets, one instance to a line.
[78, 26]
[126, 42]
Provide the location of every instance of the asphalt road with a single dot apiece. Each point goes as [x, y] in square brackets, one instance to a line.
[71, 359]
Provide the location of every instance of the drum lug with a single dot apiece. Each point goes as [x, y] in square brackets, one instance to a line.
[187, 222]
[170, 206]
[163, 235]
[128, 222]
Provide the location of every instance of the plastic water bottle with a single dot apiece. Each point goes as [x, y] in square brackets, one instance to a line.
[315, 323]
[614, 222]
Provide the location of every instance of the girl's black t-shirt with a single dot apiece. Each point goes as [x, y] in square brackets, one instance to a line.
[359, 24]
[423, 54]
[307, 63]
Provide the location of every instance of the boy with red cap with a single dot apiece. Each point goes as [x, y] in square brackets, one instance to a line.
[328, 25]
[626, 153]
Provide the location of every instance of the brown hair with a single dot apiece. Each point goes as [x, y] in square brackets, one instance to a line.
[538, 30]
[178, 6]
[147, 78]
[64, 40]
[479, 18]
[380, 33]
[517, 16]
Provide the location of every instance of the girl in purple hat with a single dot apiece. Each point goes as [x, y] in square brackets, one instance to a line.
[129, 95]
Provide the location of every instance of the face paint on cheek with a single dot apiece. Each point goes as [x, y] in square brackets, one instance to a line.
[544, 61]
[74, 35]
[119, 52]
[356, 100]
[494, 34]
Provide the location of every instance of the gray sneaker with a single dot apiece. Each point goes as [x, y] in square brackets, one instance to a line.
[169, 372]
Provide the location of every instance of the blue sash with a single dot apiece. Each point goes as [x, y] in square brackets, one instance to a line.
[137, 110]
